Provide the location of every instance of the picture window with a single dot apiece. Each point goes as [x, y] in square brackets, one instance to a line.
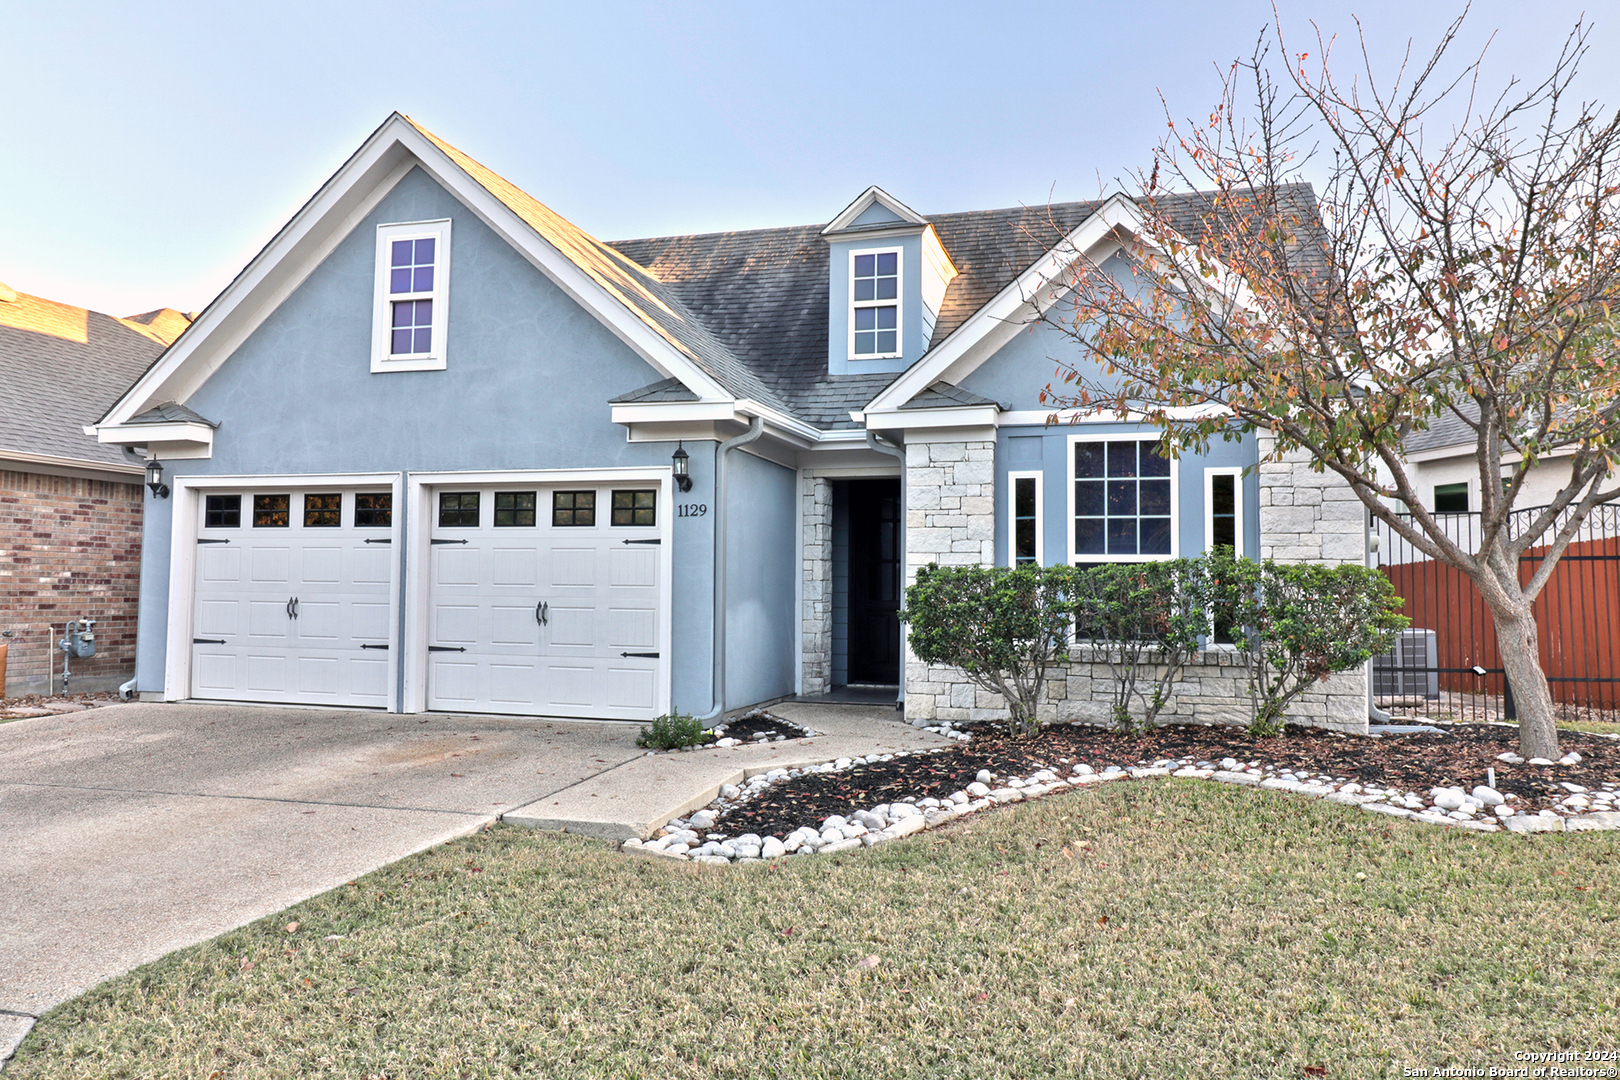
[573, 509]
[1122, 499]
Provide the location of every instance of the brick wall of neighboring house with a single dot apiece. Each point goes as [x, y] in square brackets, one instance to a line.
[69, 549]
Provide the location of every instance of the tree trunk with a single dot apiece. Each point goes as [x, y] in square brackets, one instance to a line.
[1519, 644]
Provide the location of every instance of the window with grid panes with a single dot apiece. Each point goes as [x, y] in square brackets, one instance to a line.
[1122, 504]
[635, 508]
[223, 512]
[374, 509]
[573, 509]
[271, 511]
[458, 509]
[514, 509]
[323, 511]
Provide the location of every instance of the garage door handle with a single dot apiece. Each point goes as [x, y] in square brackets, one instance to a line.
[289, 607]
[655, 540]
[208, 641]
[210, 540]
[541, 610]
[379, 539]
[436, 540]
[648, 655]
[447, 648]
[374, 646]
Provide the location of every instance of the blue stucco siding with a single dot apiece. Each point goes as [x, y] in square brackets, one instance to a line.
[761, 587]
[1046, 450]
[529, 377]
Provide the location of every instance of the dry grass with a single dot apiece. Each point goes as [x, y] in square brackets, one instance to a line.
[1159, 929]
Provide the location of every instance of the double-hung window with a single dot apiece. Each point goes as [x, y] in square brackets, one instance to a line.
[412, 297]
[874, 289]
[1123, 500]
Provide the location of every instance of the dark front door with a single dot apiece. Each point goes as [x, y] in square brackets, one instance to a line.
[874, 581]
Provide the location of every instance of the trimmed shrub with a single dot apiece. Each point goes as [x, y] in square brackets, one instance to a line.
[672, 731]
[1297, 624]
[1145, 621]
[1003, 626]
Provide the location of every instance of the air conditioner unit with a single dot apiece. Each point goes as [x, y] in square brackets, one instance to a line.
[1409, 669]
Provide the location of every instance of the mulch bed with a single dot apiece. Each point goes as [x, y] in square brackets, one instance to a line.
[1415, 762]
[754, 724]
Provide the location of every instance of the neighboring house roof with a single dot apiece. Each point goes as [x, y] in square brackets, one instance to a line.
[1446, 430]
[60, 367]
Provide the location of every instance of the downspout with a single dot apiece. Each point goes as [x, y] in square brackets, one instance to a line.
[894, 451]
[756, 428]
[128, 690]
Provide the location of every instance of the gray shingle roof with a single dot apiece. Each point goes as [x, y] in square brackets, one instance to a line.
[944, 395]
[170, 413]
[1447, 429]
[666, 390]
[61, 367]
[764, 292]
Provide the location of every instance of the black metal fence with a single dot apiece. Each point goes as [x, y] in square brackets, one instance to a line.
[1448, 664]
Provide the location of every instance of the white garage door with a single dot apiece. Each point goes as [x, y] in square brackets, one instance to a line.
[545, 601]
[292, 599]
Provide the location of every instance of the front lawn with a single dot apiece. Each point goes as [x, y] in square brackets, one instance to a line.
[1152, 928]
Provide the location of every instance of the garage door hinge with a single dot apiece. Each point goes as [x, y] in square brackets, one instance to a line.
[379, 539]
[436, 540]
[211, 540]
[654, 540]
[374, 646]
[447, 648]
[648, 655]
[208, 641]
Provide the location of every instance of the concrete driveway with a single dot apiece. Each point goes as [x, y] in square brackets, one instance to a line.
[131, 830]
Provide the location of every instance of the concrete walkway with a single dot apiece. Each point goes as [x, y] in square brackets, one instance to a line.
[635, 798]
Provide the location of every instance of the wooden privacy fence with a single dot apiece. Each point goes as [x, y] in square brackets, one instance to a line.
[1577, 620]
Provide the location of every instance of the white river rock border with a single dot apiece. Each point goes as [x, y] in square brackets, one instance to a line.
[694, 838]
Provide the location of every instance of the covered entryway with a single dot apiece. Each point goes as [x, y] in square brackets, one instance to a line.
[547, 599]
[866, 582]
[292, 597]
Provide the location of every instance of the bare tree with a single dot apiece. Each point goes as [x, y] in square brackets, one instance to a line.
[1473, 273]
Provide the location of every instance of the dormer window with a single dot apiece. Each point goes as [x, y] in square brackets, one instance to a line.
[412, 293]
[875, 302]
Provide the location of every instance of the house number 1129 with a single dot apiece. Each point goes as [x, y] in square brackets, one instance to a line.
[691, 510]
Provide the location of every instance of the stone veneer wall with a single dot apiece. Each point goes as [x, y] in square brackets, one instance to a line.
[1305, 516]
[69, 549]
[817, 616]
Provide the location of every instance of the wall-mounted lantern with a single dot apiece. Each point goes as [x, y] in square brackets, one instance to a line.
[154, 479]
[680, 459]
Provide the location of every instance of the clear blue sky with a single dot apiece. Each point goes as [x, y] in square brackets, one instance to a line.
[148, 150]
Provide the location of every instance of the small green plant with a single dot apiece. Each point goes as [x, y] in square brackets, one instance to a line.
[672, 731]
[1003, 626]
[1296, 624]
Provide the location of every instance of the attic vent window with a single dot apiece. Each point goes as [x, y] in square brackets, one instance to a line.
[875, 303]
[412, 293]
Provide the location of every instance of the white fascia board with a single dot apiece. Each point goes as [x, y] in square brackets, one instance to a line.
[19, 457]
[1013, 304]
[863, 201]
[330, 216]
[1024, 417]
[672, 412]
[924, 419]
[180, 431]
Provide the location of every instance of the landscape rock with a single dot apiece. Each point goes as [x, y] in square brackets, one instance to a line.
[1488, 796]
[1533, 823]
[1601, 819]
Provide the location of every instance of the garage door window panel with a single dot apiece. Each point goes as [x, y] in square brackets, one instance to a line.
[223, 512]
[323, 511]
[573, 509]
[635, 508]
[272, 511]
[514, 509]
[374, 510]
[458, 510]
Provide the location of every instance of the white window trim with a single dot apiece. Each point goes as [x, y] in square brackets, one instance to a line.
[1236, 473]
[898, 302]
[382, 306]
[1012, 514]
[1175, 501]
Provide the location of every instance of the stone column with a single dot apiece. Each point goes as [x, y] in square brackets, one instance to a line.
[817, 615]
[950, 520]
[1314, 517]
